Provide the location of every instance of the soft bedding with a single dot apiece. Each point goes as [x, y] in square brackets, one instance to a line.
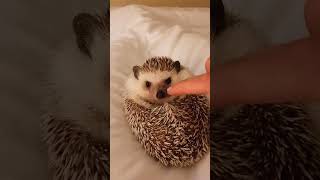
[137, 33]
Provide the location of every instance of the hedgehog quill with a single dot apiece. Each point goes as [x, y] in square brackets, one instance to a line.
[172, 129]
[75, 122]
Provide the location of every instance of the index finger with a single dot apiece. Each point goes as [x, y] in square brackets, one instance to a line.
[195, 85]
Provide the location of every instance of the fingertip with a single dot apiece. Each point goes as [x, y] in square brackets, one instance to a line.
[174, 90]
[194, 85]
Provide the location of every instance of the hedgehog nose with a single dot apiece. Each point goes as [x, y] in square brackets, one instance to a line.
[161, 94]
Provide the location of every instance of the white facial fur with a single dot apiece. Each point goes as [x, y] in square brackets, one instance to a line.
[136, 88]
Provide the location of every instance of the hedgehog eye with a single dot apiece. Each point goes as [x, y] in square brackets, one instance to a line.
[168, 81]
[148, 84]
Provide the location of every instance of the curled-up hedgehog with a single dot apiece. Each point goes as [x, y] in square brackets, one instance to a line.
[259, 141]
[76, 125]
[172, 129]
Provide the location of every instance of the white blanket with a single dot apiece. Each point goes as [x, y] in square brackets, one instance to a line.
[137, 33]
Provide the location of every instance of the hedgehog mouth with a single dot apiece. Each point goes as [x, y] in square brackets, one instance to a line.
[159, 101]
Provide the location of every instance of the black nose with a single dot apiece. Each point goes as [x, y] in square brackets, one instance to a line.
[161, 94]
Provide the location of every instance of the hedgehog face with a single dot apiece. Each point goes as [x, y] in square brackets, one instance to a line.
[153, 86]
[150, 81]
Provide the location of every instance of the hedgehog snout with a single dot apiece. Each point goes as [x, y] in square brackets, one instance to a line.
[161, 93]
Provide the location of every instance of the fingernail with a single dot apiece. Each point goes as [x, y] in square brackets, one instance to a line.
[169, 89]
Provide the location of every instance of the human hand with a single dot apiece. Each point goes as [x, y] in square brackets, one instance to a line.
[196, 85]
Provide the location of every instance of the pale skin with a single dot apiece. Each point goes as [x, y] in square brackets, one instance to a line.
[283, 73]
[196, 85]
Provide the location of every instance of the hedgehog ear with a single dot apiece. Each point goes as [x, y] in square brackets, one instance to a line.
[84, 27]
[136, 71]
[220, 17]
[177, 66]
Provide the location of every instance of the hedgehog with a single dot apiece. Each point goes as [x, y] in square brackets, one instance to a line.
[75, 122]
[258, 141]
[174, 130]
